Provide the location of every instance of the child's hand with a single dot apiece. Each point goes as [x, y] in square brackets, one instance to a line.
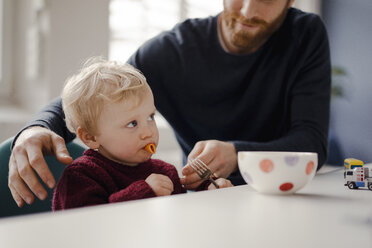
[222, 183]
[160, 184]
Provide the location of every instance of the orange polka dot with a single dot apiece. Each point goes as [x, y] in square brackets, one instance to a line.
[266, 165]
[286, 186]
[310, 167]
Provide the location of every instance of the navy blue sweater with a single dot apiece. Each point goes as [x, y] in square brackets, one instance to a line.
[275, 99]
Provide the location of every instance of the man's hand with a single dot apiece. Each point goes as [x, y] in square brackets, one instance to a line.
[27, 158]
[220, 157]
[160, 184]
[222, 183]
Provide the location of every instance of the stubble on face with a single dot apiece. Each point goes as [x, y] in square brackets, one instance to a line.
[244, 41]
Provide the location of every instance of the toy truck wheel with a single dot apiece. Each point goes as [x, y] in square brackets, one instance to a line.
[370, 186]
[352, 185]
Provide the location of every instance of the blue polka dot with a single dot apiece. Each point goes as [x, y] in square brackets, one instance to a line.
[291, 160]
[247, 178]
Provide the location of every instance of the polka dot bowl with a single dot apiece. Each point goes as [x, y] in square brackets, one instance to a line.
[277, 172]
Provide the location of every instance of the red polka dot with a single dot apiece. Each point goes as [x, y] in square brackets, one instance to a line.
[286, 186]
[310, 167]
[266, 165]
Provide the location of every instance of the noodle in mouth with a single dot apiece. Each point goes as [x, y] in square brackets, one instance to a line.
[151, 148]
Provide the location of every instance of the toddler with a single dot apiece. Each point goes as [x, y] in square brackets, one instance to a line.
[111, 108]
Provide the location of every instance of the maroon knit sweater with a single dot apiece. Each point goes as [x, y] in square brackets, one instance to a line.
[94, 179]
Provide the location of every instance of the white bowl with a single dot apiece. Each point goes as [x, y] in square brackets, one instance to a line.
[277, 172]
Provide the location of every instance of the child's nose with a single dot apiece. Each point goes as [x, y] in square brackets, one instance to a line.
[146, 132]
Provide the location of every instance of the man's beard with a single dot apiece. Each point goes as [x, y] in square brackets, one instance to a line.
[246, 41]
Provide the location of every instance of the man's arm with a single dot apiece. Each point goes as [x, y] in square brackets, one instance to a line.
[45, 134]
[52, 118]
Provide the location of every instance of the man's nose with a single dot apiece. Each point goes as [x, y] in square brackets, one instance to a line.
[249, 9]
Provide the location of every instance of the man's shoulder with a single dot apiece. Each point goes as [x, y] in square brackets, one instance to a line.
[197, 24]
[298, 15]
[302, 21]
[303, 27]
[189, 29]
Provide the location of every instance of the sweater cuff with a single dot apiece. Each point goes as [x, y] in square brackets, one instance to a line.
[203, 186]
[137, 190]
[240, 146]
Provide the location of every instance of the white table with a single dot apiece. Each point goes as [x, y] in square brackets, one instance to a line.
[323, 214]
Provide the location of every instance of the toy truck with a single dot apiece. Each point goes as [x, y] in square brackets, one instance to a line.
[356, 174]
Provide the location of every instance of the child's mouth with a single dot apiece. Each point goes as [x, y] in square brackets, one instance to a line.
[151, 148]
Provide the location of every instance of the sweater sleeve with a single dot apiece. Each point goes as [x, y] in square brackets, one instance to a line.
[173, 175]
[135, 191]
[309, 101]
[77, 189]
[203, 186]
[51, 117]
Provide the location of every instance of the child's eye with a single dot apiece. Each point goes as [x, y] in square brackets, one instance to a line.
[132, 124]
[151, 117]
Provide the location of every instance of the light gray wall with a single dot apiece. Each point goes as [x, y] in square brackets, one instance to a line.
[349, 25]
[50, 41]
[81, 31]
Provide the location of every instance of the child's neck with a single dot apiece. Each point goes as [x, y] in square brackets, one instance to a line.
[104, 153]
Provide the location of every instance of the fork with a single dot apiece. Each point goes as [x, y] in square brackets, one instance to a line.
[203, 170]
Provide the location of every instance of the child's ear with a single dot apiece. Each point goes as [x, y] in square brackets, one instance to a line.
[87, 138]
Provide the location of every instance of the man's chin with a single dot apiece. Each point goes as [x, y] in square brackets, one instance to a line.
[245, 43]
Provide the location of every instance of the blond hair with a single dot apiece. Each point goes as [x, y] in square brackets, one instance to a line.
[99, 81]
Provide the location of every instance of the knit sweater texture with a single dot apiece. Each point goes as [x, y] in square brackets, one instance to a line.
[94, 179]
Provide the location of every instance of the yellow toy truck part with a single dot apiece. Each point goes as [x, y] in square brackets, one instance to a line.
[351, 163]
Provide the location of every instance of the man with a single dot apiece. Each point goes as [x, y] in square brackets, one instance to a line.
[255, 77]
